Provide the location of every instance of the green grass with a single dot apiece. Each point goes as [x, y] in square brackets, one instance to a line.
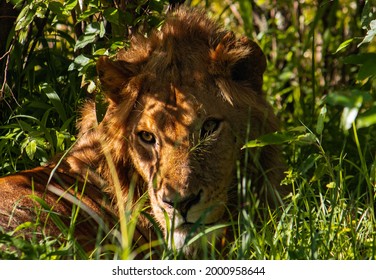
[324, 217]
[319, 80]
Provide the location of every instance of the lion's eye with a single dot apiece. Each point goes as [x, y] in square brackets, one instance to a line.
[209, 127]
[146, 137]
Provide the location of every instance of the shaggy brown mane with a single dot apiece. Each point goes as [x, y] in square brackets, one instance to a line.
[235, 65]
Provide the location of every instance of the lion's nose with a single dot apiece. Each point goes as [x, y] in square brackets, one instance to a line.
[182, 204]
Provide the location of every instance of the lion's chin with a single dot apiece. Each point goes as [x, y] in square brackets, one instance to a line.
[179, 236]
[181, 239]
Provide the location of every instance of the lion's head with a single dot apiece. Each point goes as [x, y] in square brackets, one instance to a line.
[182, 103]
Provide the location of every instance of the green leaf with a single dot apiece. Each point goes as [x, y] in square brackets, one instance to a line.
[331, 185]
[269, 139]
[88, 13]
[41, 9]
[84, 40]
[31, 148]
[23, 226]
[112, 15]
[102, 51]
[309, 162]
[360, 58]
[25, 126]
[293, 135]
[91, 32]
[78, 63]
[353, 98]
[368, 69]
[366, 119]
[320, 171]
[24, 19]
[367, 13]
[102, 30]
[344, 45]
[320, 120]
[70, 4]
[92, 28]
[56, 7]
[55, 100]
[61, 136]
[66, 124]
[306, 139]
[352, 101]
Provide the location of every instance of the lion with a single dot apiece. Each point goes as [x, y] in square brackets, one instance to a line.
[182, 102]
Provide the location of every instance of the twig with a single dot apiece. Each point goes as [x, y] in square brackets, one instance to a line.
[2, 90]
[1, 58]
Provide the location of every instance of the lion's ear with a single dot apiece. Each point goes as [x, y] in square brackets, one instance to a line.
[251, 67]
[114, 75]
[242, 60]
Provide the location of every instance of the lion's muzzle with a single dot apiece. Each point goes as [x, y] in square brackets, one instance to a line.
[182, 205]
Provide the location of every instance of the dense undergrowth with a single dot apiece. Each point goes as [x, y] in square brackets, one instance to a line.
[320, 80]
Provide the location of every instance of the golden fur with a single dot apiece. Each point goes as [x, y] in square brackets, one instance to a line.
[181, 104]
